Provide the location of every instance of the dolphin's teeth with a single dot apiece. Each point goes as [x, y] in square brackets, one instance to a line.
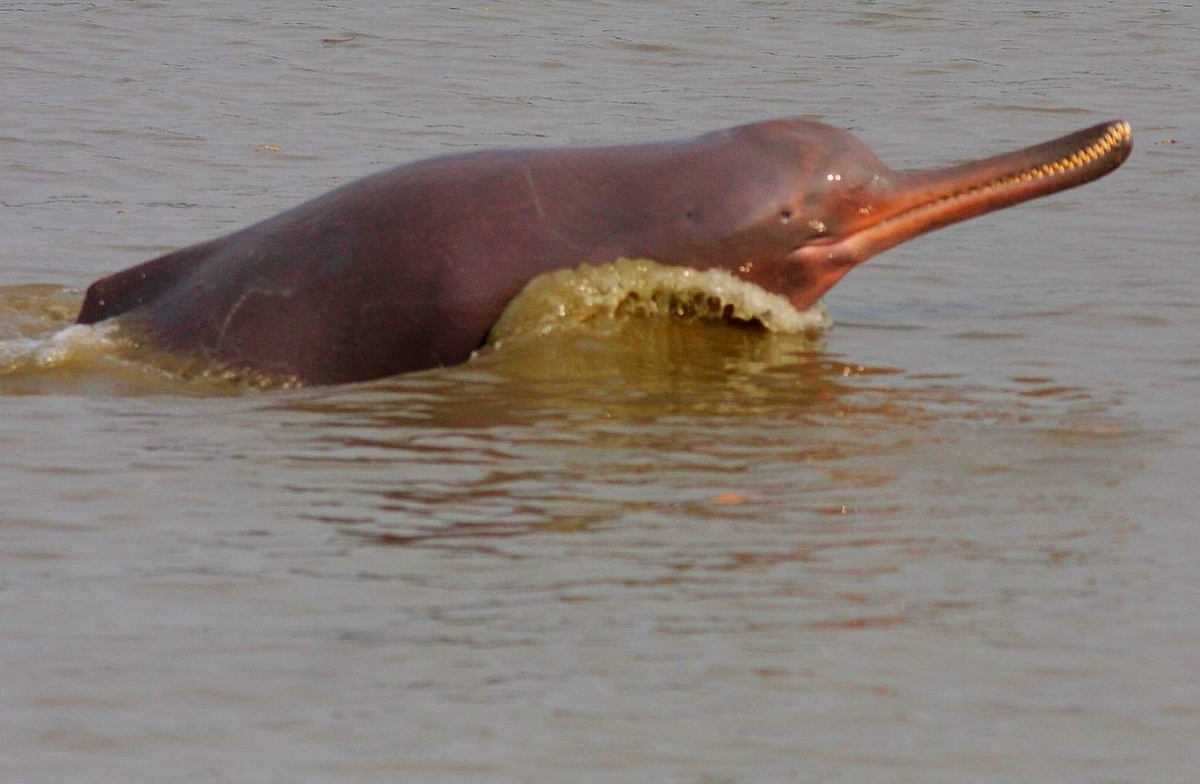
[1114, 136]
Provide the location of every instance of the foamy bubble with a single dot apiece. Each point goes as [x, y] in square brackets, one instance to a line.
[58, 348]
[566, 298]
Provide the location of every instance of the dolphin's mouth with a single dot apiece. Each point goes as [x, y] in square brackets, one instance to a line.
[921, 201]
[1115, 135]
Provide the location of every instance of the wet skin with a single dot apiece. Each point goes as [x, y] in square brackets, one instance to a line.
[409, 268]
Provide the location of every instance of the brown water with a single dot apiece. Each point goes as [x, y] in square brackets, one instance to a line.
[954, 540]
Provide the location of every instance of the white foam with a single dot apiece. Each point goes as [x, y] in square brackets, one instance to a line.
[58, 348]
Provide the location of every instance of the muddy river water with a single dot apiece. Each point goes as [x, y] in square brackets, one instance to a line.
[954, 538]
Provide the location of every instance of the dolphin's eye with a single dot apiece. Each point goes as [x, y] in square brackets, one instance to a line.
[785, 216]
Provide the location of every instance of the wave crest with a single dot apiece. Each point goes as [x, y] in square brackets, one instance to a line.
[639, 287]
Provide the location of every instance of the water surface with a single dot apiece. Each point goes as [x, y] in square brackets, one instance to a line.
[953, 539]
